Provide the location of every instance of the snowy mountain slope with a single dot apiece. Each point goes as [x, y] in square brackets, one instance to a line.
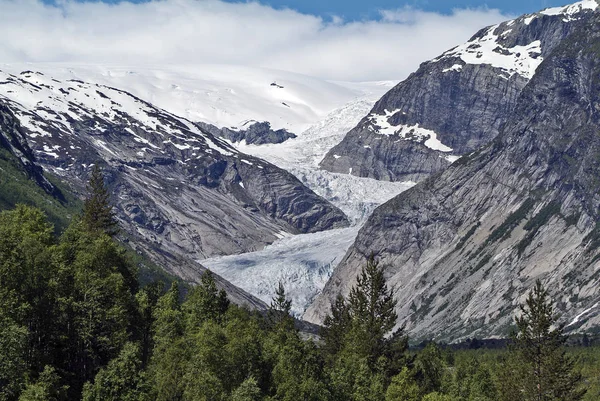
[455, 103]
[222, 95]
[174, 184]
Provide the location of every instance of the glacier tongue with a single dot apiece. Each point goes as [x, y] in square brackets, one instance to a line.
[304, 263]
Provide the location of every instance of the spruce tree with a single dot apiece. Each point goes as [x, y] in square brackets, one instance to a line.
[540, 367]
[371, 307]
[335, 327]
[98, 214]
[280, 309]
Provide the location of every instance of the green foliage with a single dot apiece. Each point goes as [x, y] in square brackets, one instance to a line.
[204, 302]
[335, 327]
[404, 387]
[280, 309]
[16, 187]
[13, 349]
[121, 380]
[98, 215]
[429, 368]
[539, 368]
[75, 325]
[371, 308]
[47, 388]
[435, 396]
[247, 391]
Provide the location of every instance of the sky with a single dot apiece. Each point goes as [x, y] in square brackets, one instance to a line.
[344, 40]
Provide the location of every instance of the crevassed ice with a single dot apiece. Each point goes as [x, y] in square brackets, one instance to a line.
[408, 132]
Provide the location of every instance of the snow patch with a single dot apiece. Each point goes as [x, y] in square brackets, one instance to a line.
[521, 60]
[455, 67]
[578, 317]
[381, 125]
[571, 10]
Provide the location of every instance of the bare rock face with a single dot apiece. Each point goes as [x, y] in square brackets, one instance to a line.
[174, 185]
[455, 103]
[462, 248]
[252, 133]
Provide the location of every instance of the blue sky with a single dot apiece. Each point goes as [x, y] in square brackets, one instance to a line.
[361, 9]
[368, 9]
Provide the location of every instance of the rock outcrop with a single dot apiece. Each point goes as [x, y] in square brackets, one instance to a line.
[252, 133]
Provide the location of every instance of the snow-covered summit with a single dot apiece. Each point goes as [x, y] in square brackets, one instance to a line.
[571, 10]
[222, 95]
[496, 46]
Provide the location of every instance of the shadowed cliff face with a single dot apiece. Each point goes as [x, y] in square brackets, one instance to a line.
[462, 248]
[174, 185]
[453, 104]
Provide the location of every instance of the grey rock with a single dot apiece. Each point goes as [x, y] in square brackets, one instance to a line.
[462, 248]
[252, 132]
[464, 104]
[13, 140]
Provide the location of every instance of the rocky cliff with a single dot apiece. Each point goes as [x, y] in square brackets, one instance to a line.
[462, 248]
[455, 103]
[174, 185]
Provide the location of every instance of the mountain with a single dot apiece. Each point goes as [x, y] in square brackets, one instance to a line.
[456, 103]
[174, 185]
[23, 181]
[225, 96]
[462, 248]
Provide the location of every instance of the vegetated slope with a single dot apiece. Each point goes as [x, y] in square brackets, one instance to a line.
[462, 248]
[176, 186]
[23, 181]
[456, 103]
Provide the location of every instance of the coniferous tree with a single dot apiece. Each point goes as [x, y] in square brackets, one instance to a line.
[335, 327]
[205, 302]
[98, 214]
[48, 387]
[279, 313]
[541, 369]
[371, 308]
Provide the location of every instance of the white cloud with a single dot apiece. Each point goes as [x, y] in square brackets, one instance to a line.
[212, 31]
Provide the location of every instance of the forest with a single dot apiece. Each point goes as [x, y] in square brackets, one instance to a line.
[77, 324]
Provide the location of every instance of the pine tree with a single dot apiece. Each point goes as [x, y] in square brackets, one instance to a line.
[205, 302]
[280, 309]
[98, 214]
[540, 368]
[371, 307]
[335, 327]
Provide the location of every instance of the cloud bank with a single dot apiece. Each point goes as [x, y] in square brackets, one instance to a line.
[215, 32]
